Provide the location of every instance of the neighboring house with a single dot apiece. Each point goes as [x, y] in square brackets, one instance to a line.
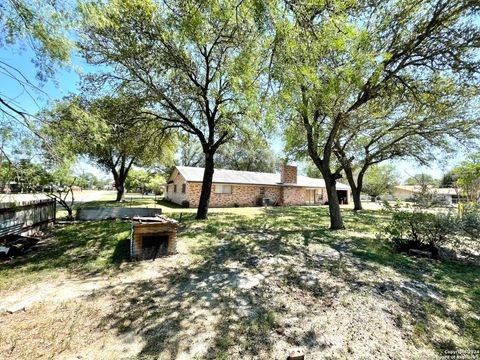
[407, 192]
[246, 188]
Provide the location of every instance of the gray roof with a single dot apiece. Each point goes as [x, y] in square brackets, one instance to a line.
[222, 176]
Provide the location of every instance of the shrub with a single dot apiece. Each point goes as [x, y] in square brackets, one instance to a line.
[470, 223]
[421, 230]
[185, 203]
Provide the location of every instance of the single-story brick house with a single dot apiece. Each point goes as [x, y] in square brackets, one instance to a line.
[246, 188]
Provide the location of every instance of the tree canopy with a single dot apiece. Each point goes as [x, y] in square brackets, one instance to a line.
[247, 155]
[467, 175]
[335, 58]
[406, 127]
[380, 180]
[421, 178]
[113, 132]
[197, 64]
[40, 26]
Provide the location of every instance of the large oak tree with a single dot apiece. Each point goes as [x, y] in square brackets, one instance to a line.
[417, 126]
[198, 65]
[333, 58]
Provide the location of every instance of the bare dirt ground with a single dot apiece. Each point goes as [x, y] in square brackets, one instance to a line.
[243, 292]
[147, 311]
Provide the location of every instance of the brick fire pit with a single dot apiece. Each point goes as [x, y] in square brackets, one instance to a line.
[152, 237]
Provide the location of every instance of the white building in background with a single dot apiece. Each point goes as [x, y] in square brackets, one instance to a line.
[408, 192]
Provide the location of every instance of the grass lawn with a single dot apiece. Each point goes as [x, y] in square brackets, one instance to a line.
[248, 283]
[137, 200]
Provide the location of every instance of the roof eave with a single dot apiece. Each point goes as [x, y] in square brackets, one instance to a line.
[259, 184]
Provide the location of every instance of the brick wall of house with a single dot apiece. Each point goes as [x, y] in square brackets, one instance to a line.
[177, 197]
[242, 195]
[293, 196]
[193, 193]
[288, 174]
[274, 194]
[245, 195]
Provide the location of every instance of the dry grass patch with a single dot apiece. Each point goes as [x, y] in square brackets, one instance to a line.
[248, 287]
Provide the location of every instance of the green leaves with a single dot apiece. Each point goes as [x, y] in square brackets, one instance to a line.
[468, 177]
[198, 65]
[40, 25]
[379, 180]
[107, 129]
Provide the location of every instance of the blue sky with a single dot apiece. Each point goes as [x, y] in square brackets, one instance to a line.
[67, 80]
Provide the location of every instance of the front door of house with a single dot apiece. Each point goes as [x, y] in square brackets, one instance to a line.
[310, 198]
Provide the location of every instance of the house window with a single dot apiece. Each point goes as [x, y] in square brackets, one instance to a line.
[184, 188]
[223, 189]
[175, 188]
[262, 191]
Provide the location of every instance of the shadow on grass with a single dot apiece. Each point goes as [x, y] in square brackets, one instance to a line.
[215, 306]
[244, 272]
[169, 204]
[83, 248]
[428, 292]
[208, 299]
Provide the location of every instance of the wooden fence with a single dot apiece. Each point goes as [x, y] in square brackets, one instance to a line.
[26, 216]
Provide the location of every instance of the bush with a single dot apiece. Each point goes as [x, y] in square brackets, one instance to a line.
[470, 223]
[185, 203]
[422, 231]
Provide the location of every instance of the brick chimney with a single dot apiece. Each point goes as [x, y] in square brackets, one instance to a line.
[289, 174]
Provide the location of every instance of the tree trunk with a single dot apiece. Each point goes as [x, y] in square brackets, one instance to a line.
[120, 175]
[356, 187]
[120, 193]
[120, 187]
[336, 222]
[202, 211]
[69, 213]
[357, 202]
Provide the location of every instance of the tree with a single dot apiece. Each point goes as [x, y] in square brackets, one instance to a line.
[41, 27]
[198, 65]
[31, 176]
[334, 58]
[191, 153]
[400, 126]
[312, 170]
[88, 181]
[114, 132]
[138, 180]
[61, 195]
[247, 156]
[380, 179]
[468, 177]
[448, 179]
[156, 184]
[422, 178]
[424, 196]
[143, 181]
